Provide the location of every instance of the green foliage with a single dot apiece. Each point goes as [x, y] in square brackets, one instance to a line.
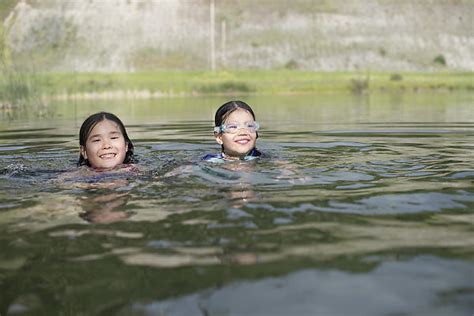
[292, 64]
[96, 85]
[359, 86]
[171, 83]
[15, 85]
[229, 87]
[18, 86]
[5, 7]
[4, 50]
[396, 77]
[440, 60]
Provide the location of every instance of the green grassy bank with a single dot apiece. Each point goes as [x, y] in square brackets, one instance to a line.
[156, 84]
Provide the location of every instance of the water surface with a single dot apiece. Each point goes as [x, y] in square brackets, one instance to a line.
[362, 205]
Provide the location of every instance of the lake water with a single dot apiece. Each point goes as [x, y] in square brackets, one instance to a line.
[363, 205]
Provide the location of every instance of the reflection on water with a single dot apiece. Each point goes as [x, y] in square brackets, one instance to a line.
[104, 208]
[368, 193]
[333, 292]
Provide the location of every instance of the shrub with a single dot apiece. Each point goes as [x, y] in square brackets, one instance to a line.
[396, 77]
[226, 87]
[358, 86]
[292, 64]
[440, 60]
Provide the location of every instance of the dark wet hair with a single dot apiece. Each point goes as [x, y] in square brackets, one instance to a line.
[90, 123]
[227, 108]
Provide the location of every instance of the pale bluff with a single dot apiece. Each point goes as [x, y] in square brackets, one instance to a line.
[320, 35]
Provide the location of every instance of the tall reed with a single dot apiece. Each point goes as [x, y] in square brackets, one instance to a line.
[18, 83]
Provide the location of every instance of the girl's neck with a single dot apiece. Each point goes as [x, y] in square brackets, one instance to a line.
[227, 157]
[117, 167]
[241, 157]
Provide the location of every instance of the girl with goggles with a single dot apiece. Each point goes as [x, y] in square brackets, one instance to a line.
[236, 131]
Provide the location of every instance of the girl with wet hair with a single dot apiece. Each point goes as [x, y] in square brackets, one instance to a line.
[235, 129]
[104, 143]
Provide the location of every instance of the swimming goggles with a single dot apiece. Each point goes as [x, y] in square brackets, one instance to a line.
[234, 127]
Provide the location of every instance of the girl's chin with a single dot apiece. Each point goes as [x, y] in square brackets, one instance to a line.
[242, 149]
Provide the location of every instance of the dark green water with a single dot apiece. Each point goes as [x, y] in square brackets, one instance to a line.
[362, 206]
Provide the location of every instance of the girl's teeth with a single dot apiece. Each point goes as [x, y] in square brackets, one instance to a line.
[107, 156]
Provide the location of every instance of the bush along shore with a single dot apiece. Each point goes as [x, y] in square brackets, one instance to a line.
[189, 83]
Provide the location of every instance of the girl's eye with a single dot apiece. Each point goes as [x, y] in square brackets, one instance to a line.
[114, 137]
[95, 140]
[231, 126]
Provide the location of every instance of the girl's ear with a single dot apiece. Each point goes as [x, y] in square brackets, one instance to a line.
[83, 152]
[218, 137]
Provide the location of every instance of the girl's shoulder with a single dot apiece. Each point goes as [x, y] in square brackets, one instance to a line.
[254, 153]
[213, 157]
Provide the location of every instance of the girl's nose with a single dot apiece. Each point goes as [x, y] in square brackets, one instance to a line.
[242, 131]
[106, 145]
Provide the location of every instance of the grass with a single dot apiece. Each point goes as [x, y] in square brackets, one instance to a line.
[5, 7]
[172, 83]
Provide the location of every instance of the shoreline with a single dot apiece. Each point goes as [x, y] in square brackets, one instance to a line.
[151, 85]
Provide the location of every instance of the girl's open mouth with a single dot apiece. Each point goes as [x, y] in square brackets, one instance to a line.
[242, 141]
[108, 156]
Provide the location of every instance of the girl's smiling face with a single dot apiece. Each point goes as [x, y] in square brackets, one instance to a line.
[105, 146]
[238, 145]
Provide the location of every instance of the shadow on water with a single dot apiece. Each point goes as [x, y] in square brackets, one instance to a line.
[378, 201]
